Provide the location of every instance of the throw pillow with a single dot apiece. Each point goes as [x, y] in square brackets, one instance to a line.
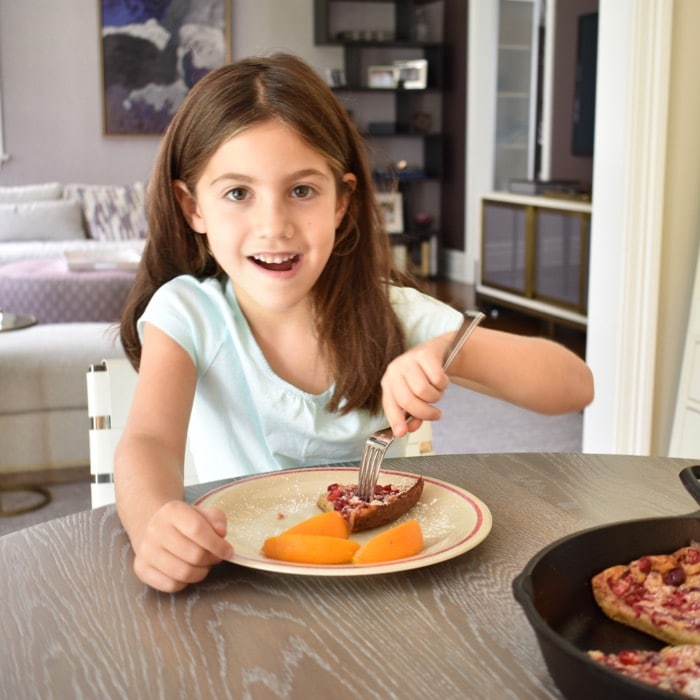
[112, 212]
[30, 193]
[52, 220]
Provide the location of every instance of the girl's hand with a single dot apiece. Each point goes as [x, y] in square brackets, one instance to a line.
[412, 383]
[179, 546]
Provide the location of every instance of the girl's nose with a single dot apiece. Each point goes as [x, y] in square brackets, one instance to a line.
[272, 221]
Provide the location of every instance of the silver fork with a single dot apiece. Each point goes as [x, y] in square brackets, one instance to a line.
[379, 441]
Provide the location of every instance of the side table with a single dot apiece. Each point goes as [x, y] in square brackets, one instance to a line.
[43, 500]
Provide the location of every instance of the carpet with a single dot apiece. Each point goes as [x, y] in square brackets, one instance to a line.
[474, 423]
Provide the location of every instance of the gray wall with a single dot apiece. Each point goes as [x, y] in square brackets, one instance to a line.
[50, 73]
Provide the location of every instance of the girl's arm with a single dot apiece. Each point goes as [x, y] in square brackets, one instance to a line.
[174, 543]
[532, 373]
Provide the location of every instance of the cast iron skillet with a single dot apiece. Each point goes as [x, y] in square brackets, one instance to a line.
[554, 590]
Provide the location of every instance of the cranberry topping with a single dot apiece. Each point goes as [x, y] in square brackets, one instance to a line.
[628, 657]
[674, 577]
[692, 555]
[345, 496]
[645, 565]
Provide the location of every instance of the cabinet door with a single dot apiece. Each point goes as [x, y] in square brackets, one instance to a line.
[505, 247]
[516, 91]
[561, 255]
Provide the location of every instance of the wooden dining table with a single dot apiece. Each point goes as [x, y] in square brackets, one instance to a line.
[77, 623]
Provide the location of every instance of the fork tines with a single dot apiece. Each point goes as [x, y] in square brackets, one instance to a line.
[371, 462]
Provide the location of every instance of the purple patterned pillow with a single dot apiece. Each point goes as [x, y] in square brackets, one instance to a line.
[112, 212]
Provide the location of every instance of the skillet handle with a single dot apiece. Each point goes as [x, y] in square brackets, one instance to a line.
[690, 476]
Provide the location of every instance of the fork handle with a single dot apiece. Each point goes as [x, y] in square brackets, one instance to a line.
[471, 320]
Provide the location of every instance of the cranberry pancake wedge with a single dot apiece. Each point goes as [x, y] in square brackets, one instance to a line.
[657, 594]
[388, 503]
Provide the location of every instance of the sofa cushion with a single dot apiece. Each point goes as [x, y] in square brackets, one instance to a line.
[112, 212]
[14, 251]
[50, 220]
[31, 193]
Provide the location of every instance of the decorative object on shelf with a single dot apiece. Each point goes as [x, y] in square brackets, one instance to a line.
[335, 77]
[382, 77]
[153, 53]
[412, 75]
[423, 220]
[391, 204]
[421, 29]
[422, 122]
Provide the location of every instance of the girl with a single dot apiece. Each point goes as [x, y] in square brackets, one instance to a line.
[267, 318]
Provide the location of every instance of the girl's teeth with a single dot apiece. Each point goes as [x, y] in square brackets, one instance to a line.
[273, 259]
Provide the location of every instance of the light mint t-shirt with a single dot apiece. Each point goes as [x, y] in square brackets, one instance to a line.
[246, 419]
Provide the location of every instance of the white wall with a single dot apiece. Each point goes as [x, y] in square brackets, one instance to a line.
[50, 73]
[646, 223]
[681, 219]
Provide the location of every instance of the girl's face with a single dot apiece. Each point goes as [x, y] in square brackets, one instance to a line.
[269, 206]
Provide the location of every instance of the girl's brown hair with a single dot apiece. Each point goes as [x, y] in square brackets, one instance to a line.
[358, 330]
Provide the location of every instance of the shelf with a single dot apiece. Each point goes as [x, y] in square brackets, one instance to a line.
[524, 48]
[378, 44]
[387, 91]
[397, 135]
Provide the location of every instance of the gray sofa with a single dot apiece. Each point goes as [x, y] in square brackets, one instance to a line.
[43, 404]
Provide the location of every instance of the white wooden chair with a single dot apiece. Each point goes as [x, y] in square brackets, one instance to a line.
[110, 386]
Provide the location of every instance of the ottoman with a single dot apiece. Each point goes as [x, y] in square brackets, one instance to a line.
[43, 401]
[53, 293]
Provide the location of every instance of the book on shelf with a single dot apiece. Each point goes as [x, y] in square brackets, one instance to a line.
[416, 254]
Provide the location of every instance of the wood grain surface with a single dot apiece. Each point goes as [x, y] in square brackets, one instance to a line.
[77, 623]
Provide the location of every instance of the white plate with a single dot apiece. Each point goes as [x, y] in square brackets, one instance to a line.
[453, 521]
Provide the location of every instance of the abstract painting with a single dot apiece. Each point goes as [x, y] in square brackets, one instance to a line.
[153, 52]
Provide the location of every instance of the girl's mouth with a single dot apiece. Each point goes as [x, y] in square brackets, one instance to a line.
[276, 263]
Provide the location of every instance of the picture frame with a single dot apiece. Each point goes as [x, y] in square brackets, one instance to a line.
[391, 204]
[412, 75]
[152, 54]
[382, 77]
[335, 77]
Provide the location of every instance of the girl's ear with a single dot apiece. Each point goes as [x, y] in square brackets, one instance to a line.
[349, 184]
[188, 206]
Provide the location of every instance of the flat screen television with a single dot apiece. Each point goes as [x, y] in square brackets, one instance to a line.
[584, 95]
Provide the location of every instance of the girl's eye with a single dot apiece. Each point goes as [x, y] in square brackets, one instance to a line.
[302, 191]
[237, 194]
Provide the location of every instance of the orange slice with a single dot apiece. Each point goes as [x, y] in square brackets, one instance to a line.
[400, 541]
[332, 524]
[310, 549]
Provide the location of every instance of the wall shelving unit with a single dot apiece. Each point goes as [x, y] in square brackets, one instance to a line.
[402, 125]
